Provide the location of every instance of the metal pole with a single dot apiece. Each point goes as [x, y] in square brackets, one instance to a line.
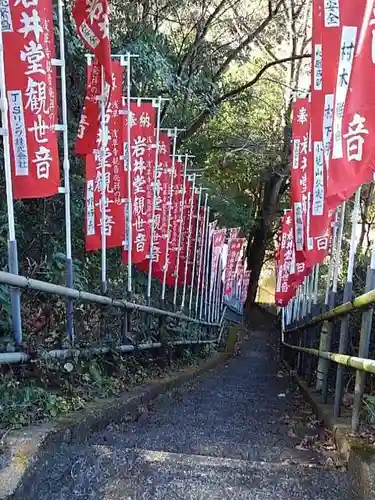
[78, 295]
[316, 285]
[344, 327]
[103, 147]
[170, 203]
[213, 286]
[364, 344]
[12, 242]
[220, 291]
[66, 168]
[181, 221]
[195, 249]
[331, 263]
[202, 257]
[128, 164]
[216, 293]
[305, 297]
[311, 289]
[205, 263]
[188, 243]
[156, 167]
[207, 292]
[327, 333]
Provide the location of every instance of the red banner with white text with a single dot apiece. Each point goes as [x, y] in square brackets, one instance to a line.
[161, 206]
[326, 25]
[234, 252]
[353, 149]
[299, 170]
[30, 79]
[217, 244]
[142, 149]
[185, 232]
[245, 286]
[87, 133]
[92, 22]
[285, 288]
[176, 219]
[114, 177]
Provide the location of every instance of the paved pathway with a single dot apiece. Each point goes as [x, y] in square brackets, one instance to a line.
[222, 437]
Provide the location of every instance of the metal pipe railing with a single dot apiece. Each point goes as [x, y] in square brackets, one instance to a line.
[361, 364]
[361, 302]
[8, 358]
[71, 293]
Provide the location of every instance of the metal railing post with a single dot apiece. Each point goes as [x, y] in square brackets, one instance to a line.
[364, 347]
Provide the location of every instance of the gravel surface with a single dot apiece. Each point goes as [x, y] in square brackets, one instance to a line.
[223, 436]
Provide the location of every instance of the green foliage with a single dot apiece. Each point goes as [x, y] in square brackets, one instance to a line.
[62, 387]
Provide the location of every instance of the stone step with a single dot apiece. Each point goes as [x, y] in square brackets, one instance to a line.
[108, 473]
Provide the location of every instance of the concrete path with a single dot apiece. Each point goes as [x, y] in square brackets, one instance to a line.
[224, 436]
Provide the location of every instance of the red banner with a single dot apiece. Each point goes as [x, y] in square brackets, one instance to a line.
[142, 140]
[193, 236]
[201, 245]
[233, 232]
[285, 288]
[88, 126]
[92, 21]
[176, 218]
[326, 25]
[185, 232]
[299, 175]
[218, 240]
[114, 177]
[30, 80]
[234, 251]
[245, 286]
[353, 149]
[161, 206]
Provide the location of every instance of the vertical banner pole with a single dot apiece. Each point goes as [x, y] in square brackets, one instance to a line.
[66, 168]
[220, 293]
[207, 292]
[202, 260]
[316, 285]
[337, 263]
[156, 167]
[195, 250]
[205, 285]
[170, 202]
[212, 289]
[103, 147]
[298, 300]
[306, 288]
[12, 242]
[128, 159]
[180, 234]
[188, 244]
[331, 262]
[344, 326]
[215, 293]
[364, 345]
[215, 298]
[326, 338]
[311, 290]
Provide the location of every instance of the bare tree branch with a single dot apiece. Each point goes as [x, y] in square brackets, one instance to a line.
[248, 40]
[202, 117]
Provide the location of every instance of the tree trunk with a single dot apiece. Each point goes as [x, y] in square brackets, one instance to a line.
[259, 238]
